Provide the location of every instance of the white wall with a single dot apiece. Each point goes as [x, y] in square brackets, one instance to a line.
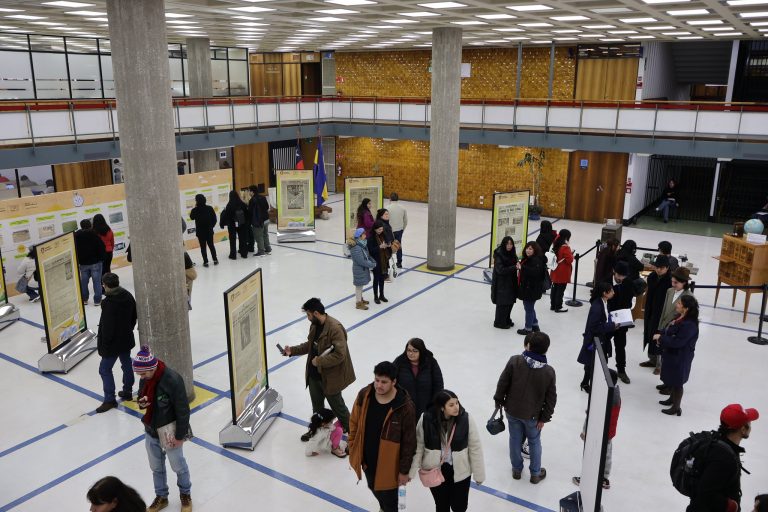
[637, 171]
[659, 80]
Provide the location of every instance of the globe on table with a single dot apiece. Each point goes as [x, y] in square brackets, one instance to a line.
[753, 226]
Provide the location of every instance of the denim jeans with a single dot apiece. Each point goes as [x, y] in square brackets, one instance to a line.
[665, 206]
[86, 273]
[32, 293]
[517, 429]
[108, 379]
[530, 314]
[157, 465]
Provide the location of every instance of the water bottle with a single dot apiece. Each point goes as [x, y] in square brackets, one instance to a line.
[401, 497]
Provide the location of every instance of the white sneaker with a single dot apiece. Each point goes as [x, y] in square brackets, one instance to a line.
[35, 299]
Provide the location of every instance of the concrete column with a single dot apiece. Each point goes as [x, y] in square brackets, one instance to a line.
[201, 86]
[147, 146]
[444, 147]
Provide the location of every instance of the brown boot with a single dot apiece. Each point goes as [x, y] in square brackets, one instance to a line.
[186, 502]
[361, 305]
[159, 504]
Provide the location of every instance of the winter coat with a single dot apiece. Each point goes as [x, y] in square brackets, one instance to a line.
[635, 266]
[655, 297]
[678, 343]
[562, 274]
[171, 404]
[545, 240]
[108, 239]
[720, 478]
[362, 263]
[88, 247]
[527, 389]
[597, 326]
[389, 236]
[466, 447]
[262, 211]
[366, 223]
[27, 268]
[228, 216]
[118, 319]
[336, 370]
[397, 444]
[422, 387]
[533, 272]
[668, 312]
[380, 256]
[205, 220]
[606, 259]
[504, 280]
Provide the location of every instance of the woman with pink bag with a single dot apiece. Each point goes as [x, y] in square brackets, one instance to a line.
[448, 453]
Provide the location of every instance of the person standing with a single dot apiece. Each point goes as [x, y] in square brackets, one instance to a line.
[398, 220]
[205, 220]
[598, 328]
[102, 229]
[329, 367]
[365, 217]
[627, 254]
[90, 256]
[532, 278]
[419, 374]
[679, 288]
[447, 439]
[546, 236]
[659, 281]
[163, 398]
[623, 293]
[28, 268]
[235, 219]
[362, 264]
[665, 249]
[606, 259]
[527, 392]
[259, 207]
[561, 276]
[382, 435]
[382, 215]
[380, 252]
[115, 339]
[504, 282]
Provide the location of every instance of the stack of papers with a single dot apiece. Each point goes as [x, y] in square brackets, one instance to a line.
[622, 318]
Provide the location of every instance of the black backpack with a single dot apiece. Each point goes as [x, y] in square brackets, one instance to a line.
[239, 217]
[689, 458]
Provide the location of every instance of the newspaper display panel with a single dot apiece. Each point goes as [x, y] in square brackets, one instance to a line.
[510, 218]
[357, 189]
[295, 200]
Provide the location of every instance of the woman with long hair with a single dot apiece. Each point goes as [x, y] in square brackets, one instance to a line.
[419, 374]
[627, 254]
[598, 329]
[546, 236]
[365, 217]
[533, 271]
[561, 276]
[102, 229]
[504, 282]
[380, 251]
[111, 495]
[679, 287]
[606, 259]
[382, 214]
[235, 218]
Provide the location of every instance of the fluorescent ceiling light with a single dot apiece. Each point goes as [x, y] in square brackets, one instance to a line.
[541, 42]
[642, 37]
[590, 36]
[397, 22]
[496, 41]
[519, 38]
[49, 23]
[638, 20]
[509, 30]
[568, 18]
[246, 9]
[179, 22]
[598, 26]
[622, 31]
[660, 27]
[442, 5]
[676, 33]
[418, 14]
[718, 29]
[496, 16]
[739, 3]
[67, 4]
[252, 18]
[350, 2]
[530, 7]
[474, 22]
[381, 26]
[87, 13]
[657, 2]
[177, 15]
[326, 19]
[312, 30]
[688, 12]
[537, 24]
[705, 22]
[5, 9]
[26, 17]
[691, 37]
[612, 40]
[68, 29]
[761, 14]
[566, 31]
[611, 10]
[337, 11]
[727, 34]
[250, 24]
[98, 19]
[566, 39]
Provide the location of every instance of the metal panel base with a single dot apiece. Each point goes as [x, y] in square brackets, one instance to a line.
[284, 237]
[8, 314]
[61, 361]
[253, 422]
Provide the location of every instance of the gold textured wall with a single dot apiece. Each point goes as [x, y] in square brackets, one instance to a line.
[493, 70]
[483, 169]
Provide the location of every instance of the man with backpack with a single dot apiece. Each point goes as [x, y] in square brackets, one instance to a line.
[706, 466]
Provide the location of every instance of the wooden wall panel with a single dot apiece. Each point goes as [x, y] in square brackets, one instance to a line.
[291, 79]
[251, 165]
[590, 80]
[606, 79]
[258, 80]
[597, 192]
[79, 175]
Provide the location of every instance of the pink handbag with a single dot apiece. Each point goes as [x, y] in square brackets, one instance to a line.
[434, 477]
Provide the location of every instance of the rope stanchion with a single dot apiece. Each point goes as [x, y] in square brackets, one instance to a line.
[591, 284]
[574, 302]
[759, 339]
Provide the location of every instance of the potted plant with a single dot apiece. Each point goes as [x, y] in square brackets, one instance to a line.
[534, 164]
[534, 212]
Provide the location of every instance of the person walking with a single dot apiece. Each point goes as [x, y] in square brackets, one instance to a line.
[680, 287]
[28, 268]
[532, 278]
[398, 220]
[382, 436]
[329, 367]
[235, 219]
[365, 217]
[669, 200]
[380, 252]
[419, 374]
[623, 294]
[102, 229]
[561, 276]
[527, 392]
[109, 494]
[606, 259]
[362, 264]
[90, 256]
[447, 440]
[504, 282]
[546, 236]
[205, 220]
[115, 339]
[163, 398]
[598, 328]
[678, 344]
[659, 281]
[627, 254]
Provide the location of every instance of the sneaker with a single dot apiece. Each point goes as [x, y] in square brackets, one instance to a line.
[125, 395]
[35, 299]
[85, 303]
[517, 475]
[606, 484]
[623, 377]
[97, 304]
[268, 252]
[260, 253]
[541, 476]
[525, 452]
[388, 280]
[104, 407]
[576, 480]
[158, 504]
[361, 305]
[524, 332]
[306, 437]
[561, 310]
[186, 502]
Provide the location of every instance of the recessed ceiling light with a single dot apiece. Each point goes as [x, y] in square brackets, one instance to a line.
[612, 40]
[26, 17]
[518, 38]
[660, 27]
[67, 4]
[87, 13]
[536, 24]
[5, 9]
[739, 3]
[245, 9]
[509, 30]
[337, 11]
[761, 14]
[642, 37]
[325, 19]
[590, 36]
[350, 2]
[688, 12]
[177, 15]
[638, 20]
[728, 34]
[705, 22]
[68, 29]
[717, 29]
[598, 26]
[566, 31]
[611, 10]
[530, 7]
[541, 42]
[657, 2]
[418, 14]
[568, 18]
[676, 33]
[759, 24]
[442, 5]
[622, 31]
[496, 16]
[474, 22]
[48, 23]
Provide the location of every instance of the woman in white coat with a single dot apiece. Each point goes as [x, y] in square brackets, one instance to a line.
[447, 438]
[27, 269]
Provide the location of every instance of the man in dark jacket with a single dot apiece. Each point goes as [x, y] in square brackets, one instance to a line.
[90, 252]
[718, 488]
[623, 292]
[258, 207]
[659, 281]
[526, 390]
[115, 339]
[205, 220]
[382, 436]
[163, 397]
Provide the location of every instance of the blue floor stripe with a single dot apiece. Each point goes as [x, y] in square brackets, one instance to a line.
[32, 440]
[211, 388]
[472, 241]
[510, 498]
[33, 324]
[52, 377]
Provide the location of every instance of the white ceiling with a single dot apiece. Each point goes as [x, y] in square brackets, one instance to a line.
[286, 25]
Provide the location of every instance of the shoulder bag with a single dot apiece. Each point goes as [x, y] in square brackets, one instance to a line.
[495, 425]
[434, 477]
[21, 284]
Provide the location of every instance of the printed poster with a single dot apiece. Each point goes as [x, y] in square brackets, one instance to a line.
[357, 189]
[295, 200]
[510, 218]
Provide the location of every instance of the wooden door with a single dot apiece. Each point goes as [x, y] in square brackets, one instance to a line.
[292, 79]
[250, 165]
[590, 80]
[596, 186]
[311, 79]
[621, 79]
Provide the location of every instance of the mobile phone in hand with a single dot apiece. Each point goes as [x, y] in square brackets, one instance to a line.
[280, 348]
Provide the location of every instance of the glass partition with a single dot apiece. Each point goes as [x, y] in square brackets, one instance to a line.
[16, 76]
[220, 78]
[51, 78]
[84, 76]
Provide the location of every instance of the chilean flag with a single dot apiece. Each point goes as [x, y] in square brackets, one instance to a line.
[299, 160]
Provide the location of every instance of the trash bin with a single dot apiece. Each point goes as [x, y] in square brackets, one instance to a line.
[611, 231]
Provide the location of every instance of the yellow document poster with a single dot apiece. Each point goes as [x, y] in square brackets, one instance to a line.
[295, 200]
[357, 189]
[510, 218]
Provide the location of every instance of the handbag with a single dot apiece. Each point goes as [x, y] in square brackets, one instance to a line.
[434, 477]
[495, 425]
[21, 284]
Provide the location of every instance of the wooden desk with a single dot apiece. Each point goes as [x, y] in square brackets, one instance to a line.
[741, 264]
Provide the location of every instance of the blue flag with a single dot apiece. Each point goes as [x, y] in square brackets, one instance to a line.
[321, 188]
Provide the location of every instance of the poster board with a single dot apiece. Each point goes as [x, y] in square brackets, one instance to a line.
[63, 310]
[3, 291]
[295, 200]
[215, 186]
[510, 218]
[357, 189]
[246, 341]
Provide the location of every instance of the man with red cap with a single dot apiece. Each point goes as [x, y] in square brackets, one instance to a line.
[718, 488]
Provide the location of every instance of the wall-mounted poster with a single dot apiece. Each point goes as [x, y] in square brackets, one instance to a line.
[510, 218]
[3, 292]
[247, 341]
[295, 200]
[63, 310]
[357, 189]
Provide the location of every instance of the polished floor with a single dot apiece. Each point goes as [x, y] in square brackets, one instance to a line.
[53, 447]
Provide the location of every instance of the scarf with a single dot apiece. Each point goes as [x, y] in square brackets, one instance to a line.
[149, 392]
[535, 360]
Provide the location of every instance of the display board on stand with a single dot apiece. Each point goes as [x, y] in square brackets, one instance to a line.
[510, 218]
[254, 404]
[8, 312]
[66, 330]
[295, 206]
[357, 189]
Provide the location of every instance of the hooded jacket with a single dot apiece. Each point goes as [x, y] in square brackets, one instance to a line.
[118, 319]
[526, 389]
[335, 368]
[204, 217]
[362, 263]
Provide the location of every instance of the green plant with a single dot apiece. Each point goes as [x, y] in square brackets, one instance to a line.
[535, 165]
[535, 209]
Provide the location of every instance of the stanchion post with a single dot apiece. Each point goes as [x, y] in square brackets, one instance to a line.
[574, 302]
[759, 340]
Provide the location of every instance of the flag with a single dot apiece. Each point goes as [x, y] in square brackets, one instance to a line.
[299, 160]
[321, 189]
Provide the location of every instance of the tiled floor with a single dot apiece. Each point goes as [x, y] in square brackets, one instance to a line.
[52, 448]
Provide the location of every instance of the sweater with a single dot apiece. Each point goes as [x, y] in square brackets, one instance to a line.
[27, 268]
[398, 216]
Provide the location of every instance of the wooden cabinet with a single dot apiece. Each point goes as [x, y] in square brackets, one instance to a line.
[742, 264]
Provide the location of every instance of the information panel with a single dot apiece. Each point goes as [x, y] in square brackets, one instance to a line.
[3, 291]
[246, 341]
[295, 200]
[510, 218]
[63, 311]
[357, 189]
